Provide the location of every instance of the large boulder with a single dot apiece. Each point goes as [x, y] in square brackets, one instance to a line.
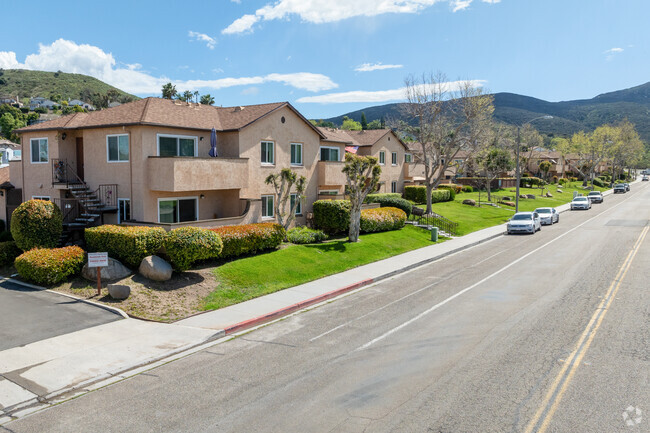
[469, 201]
[119, 291]
[114, 271]
[155, 268]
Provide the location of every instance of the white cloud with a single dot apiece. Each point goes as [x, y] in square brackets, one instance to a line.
[210, 42]
[318, 11]
[251, 91]
[368, 67]
[614, 50]
[491, 1]
[68, 56]
[374, 96]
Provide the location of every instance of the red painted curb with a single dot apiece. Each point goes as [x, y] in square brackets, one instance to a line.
[295, 307]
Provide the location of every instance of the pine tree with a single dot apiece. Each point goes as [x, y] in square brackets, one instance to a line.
[364, 122]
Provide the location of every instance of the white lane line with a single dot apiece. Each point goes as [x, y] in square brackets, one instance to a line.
[491, 257]
[467, 289]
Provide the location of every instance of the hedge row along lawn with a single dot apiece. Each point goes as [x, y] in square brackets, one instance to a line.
[250, 277]
[471, 219]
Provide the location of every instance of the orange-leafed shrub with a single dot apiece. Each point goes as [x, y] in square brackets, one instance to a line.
[382, 219]
[249, 238]
[50, 266]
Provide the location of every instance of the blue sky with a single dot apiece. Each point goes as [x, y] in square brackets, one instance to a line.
[328, 57]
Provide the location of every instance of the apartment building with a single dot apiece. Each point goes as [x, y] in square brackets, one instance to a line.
[150, 162]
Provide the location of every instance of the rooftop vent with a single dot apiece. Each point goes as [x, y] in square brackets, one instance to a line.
[238, 109]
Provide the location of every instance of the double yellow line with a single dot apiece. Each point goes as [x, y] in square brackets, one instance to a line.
[544, 414]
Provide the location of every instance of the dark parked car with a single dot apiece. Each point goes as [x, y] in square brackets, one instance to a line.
[619, 187]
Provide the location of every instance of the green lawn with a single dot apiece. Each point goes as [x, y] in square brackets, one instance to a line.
[250, 277]
[470, 219]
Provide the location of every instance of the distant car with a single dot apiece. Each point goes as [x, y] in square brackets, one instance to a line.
[595, 197]
[619, 187]
[581, 202]
[548, 215]
[524, 222]
[627, 186]
[645, 178]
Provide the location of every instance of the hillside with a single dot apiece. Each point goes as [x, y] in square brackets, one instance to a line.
[568, 116]
[26, 84]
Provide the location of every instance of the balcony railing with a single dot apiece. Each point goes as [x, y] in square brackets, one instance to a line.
[196, 174]
[63, 173]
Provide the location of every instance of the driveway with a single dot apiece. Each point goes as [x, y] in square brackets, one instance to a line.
[28, 315]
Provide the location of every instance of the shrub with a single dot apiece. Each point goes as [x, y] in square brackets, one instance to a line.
[451, 186]
[36, 223]
[382, 219]
[467, 188]
[532, 181]
[391, 201]
[332, 215]
[370, 197]
[8, 252]
[129, 244]
[305, 235]
[50, 266]
[186, 245]
[6, 236]
[574, 179]
[418, 194]
[599, 182]
[440, 195]
[562, 181]
[249, 238]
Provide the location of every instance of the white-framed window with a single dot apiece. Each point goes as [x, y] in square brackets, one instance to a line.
[393, 158]
[41, 197]
[39, 150]
[267, 206]
[268, 152]
[408, 157]
[329, 153]
[294, 197]
[117, 148]
[17, 155]
[178, 209]
[123, 209]
[296, 153]
[328, 192]
[177, 145]
[393, 186]
[382, 158]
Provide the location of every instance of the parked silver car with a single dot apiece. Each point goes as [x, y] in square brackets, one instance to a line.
[524, 222]
[620, 188]
[595, 197]
[548, 215]
[580, 202]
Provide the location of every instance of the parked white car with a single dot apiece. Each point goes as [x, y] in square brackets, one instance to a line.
[524, 222]
[595, 196]
[581, 202]
[548, 215]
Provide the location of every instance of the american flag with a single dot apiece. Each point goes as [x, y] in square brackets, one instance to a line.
[351, 149]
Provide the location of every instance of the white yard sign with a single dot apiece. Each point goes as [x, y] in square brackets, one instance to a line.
[97, 260]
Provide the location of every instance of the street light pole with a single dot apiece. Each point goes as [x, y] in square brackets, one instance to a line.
[517, 169]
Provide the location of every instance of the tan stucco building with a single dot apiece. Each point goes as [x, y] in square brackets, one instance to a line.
[149, 162]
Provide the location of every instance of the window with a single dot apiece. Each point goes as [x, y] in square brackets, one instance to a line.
[124, 209]
[117, 148]
[268, 156]
[41, 197]
[172, 210]
[408, 157]
[176, 145]
[393, 186]
[382, 158]
[296, 154]
[267, 206]
[299, 207]
[393, 159]
[17, 155]
[39, 150]
[329, 154]
[328, 192]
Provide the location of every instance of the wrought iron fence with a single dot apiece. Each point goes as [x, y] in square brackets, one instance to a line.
[434, 220]
[63, 173]
[107, 195]
[70, 208]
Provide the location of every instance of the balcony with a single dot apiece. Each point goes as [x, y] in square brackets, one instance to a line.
[178, 174]
[329, 173]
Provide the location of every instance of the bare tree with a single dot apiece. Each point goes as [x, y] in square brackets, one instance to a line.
[282, 183]
[443, 118]
[362, 173]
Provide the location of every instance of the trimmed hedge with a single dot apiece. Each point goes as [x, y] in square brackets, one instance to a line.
[186, 245]
[370, 197]
[50, 266]
[36, 223]
[532, 181]
[418, 194]
[382, 219]
[332, 215]
[249, 238]
[451, 186]
[305, 235]
[467, 188]
[128, 244]
[599, 182]
[8, 252]
[389, 201]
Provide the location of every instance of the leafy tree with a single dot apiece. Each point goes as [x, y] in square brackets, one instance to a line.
[364, 122]
[323, 124]
[350, 125]
[196, 96]
[282, 183]
[169, 91]
[375, 124]
[207, 99]
[7, 125]
[187, 96]
[544, 167]
[362, 174]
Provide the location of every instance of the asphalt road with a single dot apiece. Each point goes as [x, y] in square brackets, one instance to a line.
[28, 315]
[522, 334]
